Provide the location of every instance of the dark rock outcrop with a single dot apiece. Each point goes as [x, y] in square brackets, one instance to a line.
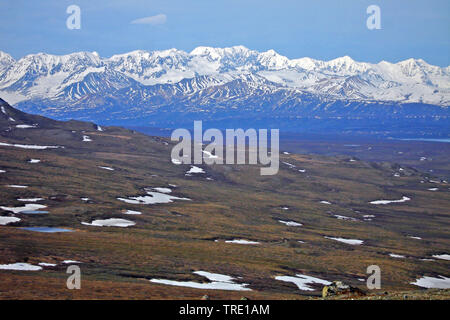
[338, 288]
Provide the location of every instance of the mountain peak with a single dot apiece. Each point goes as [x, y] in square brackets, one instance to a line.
[273, 60]
[6, 61]
[211, 51]
[5, 56]
[203, 51]
[343, 60]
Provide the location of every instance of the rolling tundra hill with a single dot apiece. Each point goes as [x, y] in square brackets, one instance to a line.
[111, 201]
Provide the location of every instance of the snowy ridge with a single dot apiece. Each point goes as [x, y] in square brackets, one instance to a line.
[78, 74]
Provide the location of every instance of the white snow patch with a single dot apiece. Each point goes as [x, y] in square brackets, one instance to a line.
[195, 169]
[290, 223]
[70, 261]
[34, 161]
[302, 281]
[6, 220]
[20, 267]
[442, 256]
[214, 276]
[152, 198]
[86, 139]
[132, 212]
[347, 241]
[432, 282]
[30, 199]
[25, 126]
[163, 190]
[345, 218]
[413, 237]
[290, 165]
[112, 222]
[44, 264]
[16, 186]
[325, 202]
[241, 241]
[403, 199]
[26, 207]
[398, 256]
[218, 282]
[106, 168]
[433, 189]
[26, 146]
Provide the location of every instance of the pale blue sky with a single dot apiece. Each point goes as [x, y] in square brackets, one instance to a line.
[321, 29]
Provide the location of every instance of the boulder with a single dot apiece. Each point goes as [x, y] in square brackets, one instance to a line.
[338, 288]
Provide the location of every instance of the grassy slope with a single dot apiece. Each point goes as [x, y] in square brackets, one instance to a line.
[172, 240]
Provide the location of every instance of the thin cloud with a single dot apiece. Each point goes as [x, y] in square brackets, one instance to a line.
[153, 20]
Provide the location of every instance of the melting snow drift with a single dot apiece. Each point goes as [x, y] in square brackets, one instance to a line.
[20, 267]
[27, 207]
[347, 241]
[442, 256]
[195, 169]
[218, 282]
[106, 168]
[302, 281]
[163, 190]
[25, 146]
[398, 256]
[110, 223]
[6, 220]
[30, 199]
[403, 199]
[132, 212]
[152, 198]
[241, 241]
[431, 282]
[290, 223]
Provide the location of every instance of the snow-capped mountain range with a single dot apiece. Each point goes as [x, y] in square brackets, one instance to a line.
[212, 80]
